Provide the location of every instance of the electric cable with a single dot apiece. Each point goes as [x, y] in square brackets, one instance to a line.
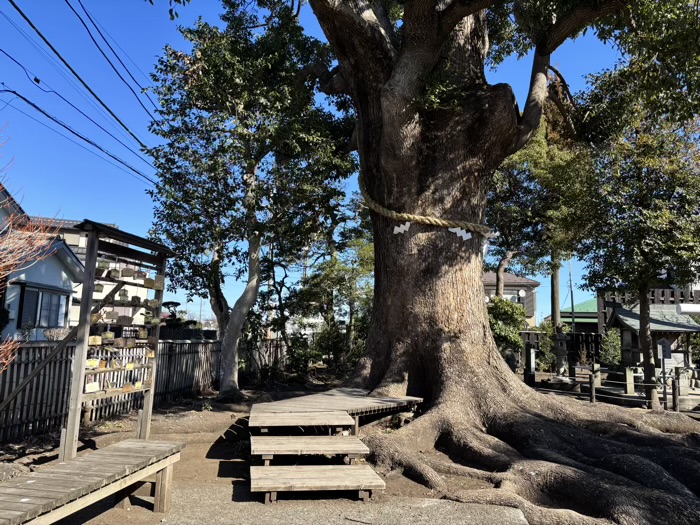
[75, 73]
[114, 68]
[74, 132]
[143, 89]
[9, 103]
[36, 82]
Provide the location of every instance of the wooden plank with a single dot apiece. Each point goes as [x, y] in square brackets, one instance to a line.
[69, 448]
[300, 419]
[306, 445]
[125, 252]
[11, 516]
[354, 401]
[314, 477]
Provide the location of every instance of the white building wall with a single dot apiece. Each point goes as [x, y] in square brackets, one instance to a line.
[49, 272]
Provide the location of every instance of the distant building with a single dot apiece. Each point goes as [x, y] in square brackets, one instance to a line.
[585, 316]
[516, 289]
[669, 330]
[39, 297]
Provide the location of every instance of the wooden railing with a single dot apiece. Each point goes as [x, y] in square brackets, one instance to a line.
[184, 368]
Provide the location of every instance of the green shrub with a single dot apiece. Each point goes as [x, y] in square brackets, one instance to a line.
[507, 320]
[611, 348]
[329, 344]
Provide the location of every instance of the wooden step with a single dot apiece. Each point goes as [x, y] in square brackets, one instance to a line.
[268, 446]
[263, 419]
[314, 477]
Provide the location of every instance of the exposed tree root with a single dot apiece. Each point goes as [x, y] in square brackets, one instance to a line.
[555, 470]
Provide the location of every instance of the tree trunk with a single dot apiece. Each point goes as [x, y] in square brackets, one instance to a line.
[556, 304]
[501, 270]
[647, 348]
[217, 299]
[239, 313]
[234, 329]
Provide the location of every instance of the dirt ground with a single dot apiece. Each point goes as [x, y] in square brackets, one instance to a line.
[211, 483]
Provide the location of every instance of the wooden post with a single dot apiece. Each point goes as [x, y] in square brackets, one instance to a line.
[69, 448]
[356, 427]
[629, 381]
[530, 364]
[591, 384]
[145, 426]
[676, 393]
[164, 479]
[596, 374]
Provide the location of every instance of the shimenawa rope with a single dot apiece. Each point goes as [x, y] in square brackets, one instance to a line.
[422, 219]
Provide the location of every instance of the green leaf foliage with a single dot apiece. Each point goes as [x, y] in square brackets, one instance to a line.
[538, 200]
[646, 229]
[611, 348]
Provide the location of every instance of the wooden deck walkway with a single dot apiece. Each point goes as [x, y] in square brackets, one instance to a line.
[335, 409]
[353, 401]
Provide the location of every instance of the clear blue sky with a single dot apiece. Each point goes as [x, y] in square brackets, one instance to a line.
[52, 176]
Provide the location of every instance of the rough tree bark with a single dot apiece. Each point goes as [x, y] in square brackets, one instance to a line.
[558, 460]
[501, 271]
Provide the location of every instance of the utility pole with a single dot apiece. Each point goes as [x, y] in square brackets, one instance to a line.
[556, 316]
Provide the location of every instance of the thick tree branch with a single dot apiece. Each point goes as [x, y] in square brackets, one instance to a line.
[577, 19]
[457, 10]
[355, 29]
[532, 114]
[337, 81]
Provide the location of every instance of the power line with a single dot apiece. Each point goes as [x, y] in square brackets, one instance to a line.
[69, 79]
[9, 103]
[76, 133]
[116, 43]
[143, 89]
[65, 63]
[114, 68]
[36, 82]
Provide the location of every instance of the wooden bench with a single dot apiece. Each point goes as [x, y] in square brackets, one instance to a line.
[61, 489]
[270, 446]
[271, 480]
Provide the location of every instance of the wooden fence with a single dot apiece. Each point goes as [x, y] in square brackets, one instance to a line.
[184, 368]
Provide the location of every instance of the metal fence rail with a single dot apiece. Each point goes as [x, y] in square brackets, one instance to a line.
[184, 368]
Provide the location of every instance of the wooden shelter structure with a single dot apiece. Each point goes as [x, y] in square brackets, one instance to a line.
[143, 258]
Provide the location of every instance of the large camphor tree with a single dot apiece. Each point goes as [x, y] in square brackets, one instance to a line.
[430, 132]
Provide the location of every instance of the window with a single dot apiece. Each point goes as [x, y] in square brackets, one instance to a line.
[52, 310]
[44, 309]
